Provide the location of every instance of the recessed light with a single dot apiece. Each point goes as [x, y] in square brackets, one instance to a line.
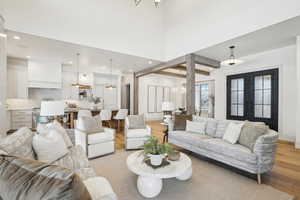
[28, 57]
[70, 62]
[150, 62]
[17, 37]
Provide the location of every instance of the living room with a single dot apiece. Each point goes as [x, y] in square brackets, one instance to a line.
[149, 99]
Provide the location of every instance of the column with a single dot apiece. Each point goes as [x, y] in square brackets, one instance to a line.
[3, 79]
[135, 95]
[190, 84]
[297, 143]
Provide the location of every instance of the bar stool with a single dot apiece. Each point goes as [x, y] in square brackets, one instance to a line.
[106, 116]
[121, 115]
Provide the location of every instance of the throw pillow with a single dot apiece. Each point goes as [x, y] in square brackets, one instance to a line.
[19, 143]
[233, 132]
[90, 124]
[180, 122]
[222, 126]
[31, 180]
[211, 124]
[250, 132]
[195, 127]
[49, 147]
[46, 128]
[136, 122]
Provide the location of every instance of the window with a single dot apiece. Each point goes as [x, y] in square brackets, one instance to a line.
[254, 97]
[202, 98]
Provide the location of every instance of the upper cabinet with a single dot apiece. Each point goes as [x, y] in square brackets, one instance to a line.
[44, 74]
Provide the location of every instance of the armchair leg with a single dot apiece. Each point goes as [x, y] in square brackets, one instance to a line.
[258, 178]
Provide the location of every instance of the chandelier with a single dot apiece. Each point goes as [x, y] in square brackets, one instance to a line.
[231, 60]
[156, 2]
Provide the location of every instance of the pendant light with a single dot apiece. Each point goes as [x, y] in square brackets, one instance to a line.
[231, 60]
[77, 84]
[156, 2]
[111, 85]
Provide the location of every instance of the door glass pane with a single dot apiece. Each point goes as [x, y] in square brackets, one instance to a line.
[241, 97]
[234, 84]
[258, 82]
[234, 97]
[267, 111]
[240, 84]
[267, 97]
[240, 110]
[258, 97]
[258, 111]
[234, 110]
[267, 82]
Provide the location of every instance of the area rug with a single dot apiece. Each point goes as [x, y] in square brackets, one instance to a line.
[209, 182]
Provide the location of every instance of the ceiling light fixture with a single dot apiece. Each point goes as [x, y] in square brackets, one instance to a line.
[17, 37]
[28, 57]
[77, 84]
[111, 85]
[150, 62]
[156, 2]
[231, 60]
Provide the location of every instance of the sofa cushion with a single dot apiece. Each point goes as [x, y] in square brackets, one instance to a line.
[250, 132]
[180, 122]
[19, 143]
[29, 180]
[194, 139]
[211, 124]
[222, 126]
[74, 160]
[136, 122]
[100, 189]
[43, 146]
[195, 127]
[97, 138]
[236, 151]
[137, 133]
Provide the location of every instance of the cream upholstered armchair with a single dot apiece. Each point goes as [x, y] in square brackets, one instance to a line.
[136, 131]
[95, 139]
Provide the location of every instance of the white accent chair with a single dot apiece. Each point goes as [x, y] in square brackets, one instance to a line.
[121, 115]
[95, 143]
[106, 116]
[135, 138]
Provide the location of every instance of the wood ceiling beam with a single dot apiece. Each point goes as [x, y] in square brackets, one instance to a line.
[162, 66]
[197, 71]
[170, 74]
[207, 61]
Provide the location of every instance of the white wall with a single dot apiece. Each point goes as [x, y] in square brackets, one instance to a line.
[192, 25]
[285, 60]
[115, 25]
[159, 80]
[3, 81]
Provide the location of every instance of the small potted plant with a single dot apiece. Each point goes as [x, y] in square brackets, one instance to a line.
[155, 151]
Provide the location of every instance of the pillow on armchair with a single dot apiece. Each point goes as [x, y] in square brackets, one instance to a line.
[89, 124]
[31, 180]
[136, 122]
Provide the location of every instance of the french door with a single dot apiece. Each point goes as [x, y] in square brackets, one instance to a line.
[254, 96]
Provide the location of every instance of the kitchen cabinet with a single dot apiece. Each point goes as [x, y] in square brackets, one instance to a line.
[21, 118]
[44, 74]
[17, 80]
[68, 91]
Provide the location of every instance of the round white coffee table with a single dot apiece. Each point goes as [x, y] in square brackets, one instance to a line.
[149, 182]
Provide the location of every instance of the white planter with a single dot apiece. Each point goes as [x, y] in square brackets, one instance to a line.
[156, 159]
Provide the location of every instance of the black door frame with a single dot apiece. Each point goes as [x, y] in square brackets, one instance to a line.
[249, 97]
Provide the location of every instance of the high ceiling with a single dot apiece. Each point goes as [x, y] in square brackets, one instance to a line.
[44, 49]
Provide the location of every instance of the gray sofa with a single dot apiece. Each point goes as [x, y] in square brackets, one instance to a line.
[211, 145]
[20, 144]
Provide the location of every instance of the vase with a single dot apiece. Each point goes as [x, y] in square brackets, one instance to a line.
[156, 160]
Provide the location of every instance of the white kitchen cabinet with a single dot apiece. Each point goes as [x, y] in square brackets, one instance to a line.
[110, 98]
[21, 118]
[44, 74]
[17, 80]
[68, 91]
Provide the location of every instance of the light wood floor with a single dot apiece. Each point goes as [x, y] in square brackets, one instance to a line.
[285, 175]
